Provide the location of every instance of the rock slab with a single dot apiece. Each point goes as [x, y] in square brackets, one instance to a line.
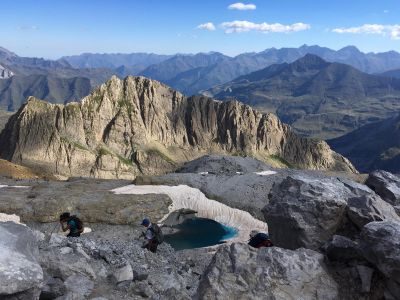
[19, 267]
[240, 272]
[386, 185]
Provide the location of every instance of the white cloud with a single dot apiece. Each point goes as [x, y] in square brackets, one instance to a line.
[244, 26]
[385, 30]
[28, 27]
[242, 6]
[207, 26]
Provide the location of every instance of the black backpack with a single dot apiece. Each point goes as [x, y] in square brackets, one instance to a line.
[258, 239]
[158, 235]
[79, 223]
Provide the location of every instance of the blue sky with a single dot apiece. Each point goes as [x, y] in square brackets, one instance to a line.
[53, 28]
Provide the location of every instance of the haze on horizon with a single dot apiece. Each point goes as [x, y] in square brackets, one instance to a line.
[52, 29]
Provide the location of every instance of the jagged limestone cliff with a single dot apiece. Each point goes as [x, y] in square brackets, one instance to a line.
[140, 126]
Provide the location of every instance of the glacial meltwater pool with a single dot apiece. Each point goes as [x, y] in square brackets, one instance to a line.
[199, 232]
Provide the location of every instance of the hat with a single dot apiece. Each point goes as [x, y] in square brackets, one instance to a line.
[65, 216]
[145, 222]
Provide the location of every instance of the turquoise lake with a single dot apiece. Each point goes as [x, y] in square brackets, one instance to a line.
[198, 233]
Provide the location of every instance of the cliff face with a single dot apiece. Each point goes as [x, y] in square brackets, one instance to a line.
[5, 73]
[140, 126]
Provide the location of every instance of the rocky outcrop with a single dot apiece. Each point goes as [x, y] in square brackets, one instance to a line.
[380, 244]
[91, 199]
[20, 273]
[139, 126]
[368, 208]
[240, 272]
[343, 249]
[223, 165]
[5, 73]
[306, 211]
[117, 268]
[386, 185]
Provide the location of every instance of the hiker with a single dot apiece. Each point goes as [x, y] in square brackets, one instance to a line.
[71, 223]
[153, 235]
[259, 239]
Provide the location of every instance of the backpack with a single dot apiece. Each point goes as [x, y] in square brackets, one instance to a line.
[79, 223]
[158, 235]
[260, 240]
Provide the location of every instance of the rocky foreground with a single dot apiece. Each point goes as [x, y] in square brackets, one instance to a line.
[335, 238]
[138, 126]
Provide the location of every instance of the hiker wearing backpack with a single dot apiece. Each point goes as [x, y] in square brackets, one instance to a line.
[153, 235]
[71, 223]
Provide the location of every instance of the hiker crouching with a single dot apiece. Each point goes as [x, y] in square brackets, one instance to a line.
[71, 223]
[153, 235]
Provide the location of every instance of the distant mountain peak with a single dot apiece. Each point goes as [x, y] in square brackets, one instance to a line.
[4, 51]
[350, 48]
[310, 61]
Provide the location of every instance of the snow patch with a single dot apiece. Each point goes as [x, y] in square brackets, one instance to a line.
[183, 196]
[86, 230]
[265, 173]
[10, 218]
[15, 186]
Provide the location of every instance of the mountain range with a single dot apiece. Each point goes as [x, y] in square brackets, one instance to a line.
[373, 146]
[318, 98]
[140, 126]
[135, 61]
[15, 90]
[54, 81]
[392, 73]
[190, 74]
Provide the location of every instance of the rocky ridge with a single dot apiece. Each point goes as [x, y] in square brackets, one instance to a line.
[317, 98]
[139, 126]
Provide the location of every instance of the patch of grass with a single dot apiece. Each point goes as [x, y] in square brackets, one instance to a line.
[104, 151]
[127, 104]
[124, 160]
[80, 146]
[280, 160]
[74, 144]
[240, 153]
[157, 152]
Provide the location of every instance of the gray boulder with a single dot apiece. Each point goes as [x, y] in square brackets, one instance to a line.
[240, 272]
[368, 208]
[53, 288]
[380, 244]
[340, 248]
[386, 185]
[306, 211]
[365, 274]
[79, 285]
[124, 273]
[65, 265]
[20, 272]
